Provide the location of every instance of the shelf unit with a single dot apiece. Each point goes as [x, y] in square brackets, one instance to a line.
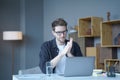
[101, 54]
[89, 27]
[112, 62]
[110, 33]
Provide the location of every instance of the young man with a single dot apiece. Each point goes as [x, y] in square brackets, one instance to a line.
[58, 49]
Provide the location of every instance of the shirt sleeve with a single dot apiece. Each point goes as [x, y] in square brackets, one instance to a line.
[76, 51]
[43, 57]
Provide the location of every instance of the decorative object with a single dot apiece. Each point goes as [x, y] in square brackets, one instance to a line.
[117, 40]
[109, 30]
[112, 63]
[108, 16]
[88, 32]
[72, 30]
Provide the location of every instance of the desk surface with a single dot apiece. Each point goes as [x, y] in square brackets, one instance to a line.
[57, 77]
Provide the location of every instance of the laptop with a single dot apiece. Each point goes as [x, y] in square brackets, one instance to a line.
[79, 66]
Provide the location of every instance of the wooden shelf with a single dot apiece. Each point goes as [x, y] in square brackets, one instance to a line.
[110, 31]
[89, 27]
[110, 45]
[112, 62]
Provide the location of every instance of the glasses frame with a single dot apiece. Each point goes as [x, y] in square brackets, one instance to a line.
[59, 33]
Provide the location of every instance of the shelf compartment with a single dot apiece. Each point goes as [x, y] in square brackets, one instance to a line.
[112, 62]
[89, 27]
[110, 31]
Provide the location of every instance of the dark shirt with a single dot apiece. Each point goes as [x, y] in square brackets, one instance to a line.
[49, 50]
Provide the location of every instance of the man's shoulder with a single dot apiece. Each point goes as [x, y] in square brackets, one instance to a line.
[47, 43]
[75, 43]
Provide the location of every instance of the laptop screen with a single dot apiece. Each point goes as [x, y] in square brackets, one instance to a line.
[79, 66]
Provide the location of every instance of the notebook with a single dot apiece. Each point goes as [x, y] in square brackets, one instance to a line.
[79, 66]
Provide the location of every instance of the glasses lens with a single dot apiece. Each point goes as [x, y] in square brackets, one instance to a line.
[61, 32]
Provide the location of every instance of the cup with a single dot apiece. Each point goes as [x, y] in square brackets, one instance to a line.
[111, 71]
[49, 69]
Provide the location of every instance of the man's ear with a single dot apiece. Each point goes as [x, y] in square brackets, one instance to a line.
[53, 33]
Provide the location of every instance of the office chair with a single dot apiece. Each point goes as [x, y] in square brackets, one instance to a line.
[34, 70]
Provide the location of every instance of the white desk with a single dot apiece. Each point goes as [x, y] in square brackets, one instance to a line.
[56, 77]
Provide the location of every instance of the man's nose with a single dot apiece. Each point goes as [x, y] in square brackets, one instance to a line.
[62, 34]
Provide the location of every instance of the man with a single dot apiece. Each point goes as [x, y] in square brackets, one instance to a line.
[59, 48]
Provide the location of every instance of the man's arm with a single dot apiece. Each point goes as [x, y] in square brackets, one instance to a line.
[66, 50]
[76, 51]
[43, 57]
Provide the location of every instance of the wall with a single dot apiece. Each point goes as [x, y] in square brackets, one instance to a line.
[25, 16]
[33, 31]
[72, 10]
[9, 20]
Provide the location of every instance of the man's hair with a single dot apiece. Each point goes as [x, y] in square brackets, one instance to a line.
[58, 22]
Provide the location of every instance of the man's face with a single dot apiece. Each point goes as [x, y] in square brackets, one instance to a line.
[60, 34]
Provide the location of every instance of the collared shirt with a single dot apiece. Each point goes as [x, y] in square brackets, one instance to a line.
[49, 50]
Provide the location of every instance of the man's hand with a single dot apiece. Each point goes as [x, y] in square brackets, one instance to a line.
[68, 47]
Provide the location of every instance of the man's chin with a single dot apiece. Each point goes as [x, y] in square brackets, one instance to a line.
[62, 41]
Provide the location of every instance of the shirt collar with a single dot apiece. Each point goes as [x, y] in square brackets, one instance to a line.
[54, 44]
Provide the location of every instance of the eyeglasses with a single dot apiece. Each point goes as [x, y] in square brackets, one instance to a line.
[59, 33]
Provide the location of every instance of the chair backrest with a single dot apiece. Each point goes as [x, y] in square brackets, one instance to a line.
[34, 70]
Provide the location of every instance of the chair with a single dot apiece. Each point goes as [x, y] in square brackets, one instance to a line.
[34, 70]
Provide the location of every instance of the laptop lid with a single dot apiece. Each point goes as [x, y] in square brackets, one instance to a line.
[79, 66]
